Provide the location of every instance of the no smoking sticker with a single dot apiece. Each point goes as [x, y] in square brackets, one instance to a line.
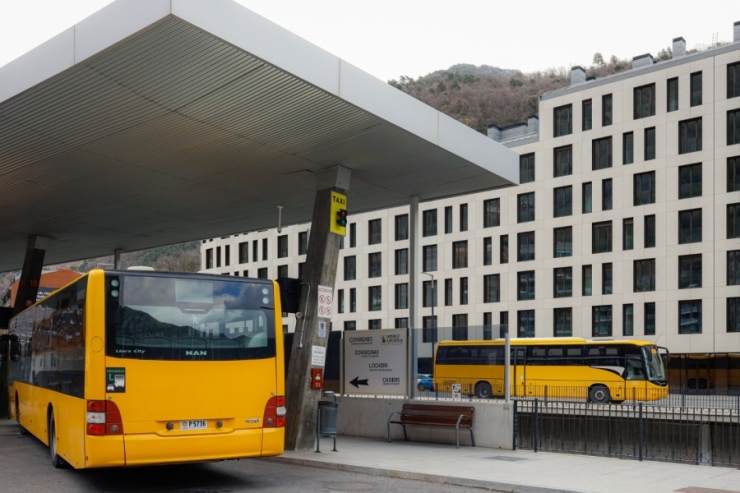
[325, 300]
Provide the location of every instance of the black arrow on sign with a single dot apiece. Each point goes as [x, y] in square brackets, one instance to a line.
[357, 382]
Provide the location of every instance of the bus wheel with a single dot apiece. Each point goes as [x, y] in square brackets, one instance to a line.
[18, 416]
[483, 390]
[599, 394]
[56, 460]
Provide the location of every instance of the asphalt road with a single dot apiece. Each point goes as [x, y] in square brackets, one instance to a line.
[25, 468]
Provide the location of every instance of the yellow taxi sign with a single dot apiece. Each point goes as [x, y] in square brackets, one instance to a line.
[338, 216]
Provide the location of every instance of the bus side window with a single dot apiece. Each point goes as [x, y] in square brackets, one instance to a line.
[536, 355]
[575, 356]
[555, 356]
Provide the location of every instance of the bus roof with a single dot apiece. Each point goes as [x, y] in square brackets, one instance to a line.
[548, 341]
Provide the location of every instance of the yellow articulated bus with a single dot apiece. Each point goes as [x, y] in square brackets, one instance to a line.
[137, 368]
[597, 371]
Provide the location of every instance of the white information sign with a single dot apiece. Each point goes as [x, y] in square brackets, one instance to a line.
[456, 391]
[322, 328]
[375, 362]
[318, 356]
[325, 298]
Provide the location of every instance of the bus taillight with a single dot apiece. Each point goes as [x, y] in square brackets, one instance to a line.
[103, 418]
[275, 413]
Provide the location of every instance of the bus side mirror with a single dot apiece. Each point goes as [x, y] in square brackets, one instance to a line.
[15, 353]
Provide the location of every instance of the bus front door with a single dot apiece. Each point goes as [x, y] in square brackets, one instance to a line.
[518, 372]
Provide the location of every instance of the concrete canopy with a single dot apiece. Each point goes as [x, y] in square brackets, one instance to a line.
[154, 122]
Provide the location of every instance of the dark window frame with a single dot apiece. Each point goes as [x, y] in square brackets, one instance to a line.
[650, 146]
[685, 130]
[687, 271]
[563, 120]
[628, 148]
[642, 195]
[643, 102]
[606, 110]
[601, 153]
[562, 237]
[643, 275]
[562, 158]
[586, 115]
[691, 235]
[525, 214]
[563, 201]
[525, 246]
[697, 315]
[526, 168]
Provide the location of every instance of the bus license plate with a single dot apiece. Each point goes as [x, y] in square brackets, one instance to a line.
[198, 424]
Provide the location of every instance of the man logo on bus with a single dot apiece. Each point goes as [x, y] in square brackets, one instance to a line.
[196, 353]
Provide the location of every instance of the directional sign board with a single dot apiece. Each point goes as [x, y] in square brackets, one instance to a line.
[375, 362]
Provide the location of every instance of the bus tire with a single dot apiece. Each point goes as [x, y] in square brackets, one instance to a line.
[56, 459]
[483, 390]
[18, 416]
[599, 394]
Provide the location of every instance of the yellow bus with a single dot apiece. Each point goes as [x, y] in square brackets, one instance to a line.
[125, 368]
[597, 371]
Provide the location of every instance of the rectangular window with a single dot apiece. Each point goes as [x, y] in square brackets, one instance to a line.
[463, 290]
[563, 161]
[689, 181]
[459, 327]
[586, 198]
[448, 219]
[244, 252]
[526, 168]
[649, 143]
[282, 271]
[375, 299]
[353, 300]
[650, 319]
[209, 258]
[526, 285]
[459, 254]
[563, 282]
[586, 275]
[733, 268]
[601, 325]
[628, 320]
[430, 222]
[644, 101]
[601, 153]
[644, 188]
[504, 249]
[525, 323]
[525, 246]
[463, 217]
[340, 300]
[606, 110]
[564, 201]
[733, 314]
[628, 234]
[353, 235]
[606, 194]
[264, 249]
[733, 174]
[696, 89]
[487, 326]
[586, 115]
[303, 243]
[375, 231]
[650, 231]
[429, 333]
[563, 118]
[401, 323]
[491, 288]
[255, 249]
[374, 265]
[689, 136]
[689, 313]
[601, 237]
[373, 324]
[429, 254]
[733, 127]
[402, 261]
[488, 251]
[733, 80]
[628, 148]
[525, 211]
[607, 284]
[563, 242]
[563, 322]
[218, 256]
[282, 244]
[491, 213]
[402, 296]
[402, 227]
[672, 94]
[350, 265]
[430, 294]
[448, 292]
[689, 226]
[262, 273]
[733, 221]
[644, 275]
[689, 271]
[350, 325]
[227, 255]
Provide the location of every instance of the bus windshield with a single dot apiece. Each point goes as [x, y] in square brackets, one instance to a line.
[654, 363]
[184, 318]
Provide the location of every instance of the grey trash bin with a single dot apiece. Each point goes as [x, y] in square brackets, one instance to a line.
[326, 422]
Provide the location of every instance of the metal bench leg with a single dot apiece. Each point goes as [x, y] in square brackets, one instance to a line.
[472, 438]
[457, 430]
[389, 426]
[405, 436]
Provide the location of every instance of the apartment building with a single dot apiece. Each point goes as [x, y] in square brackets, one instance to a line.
[626, 223]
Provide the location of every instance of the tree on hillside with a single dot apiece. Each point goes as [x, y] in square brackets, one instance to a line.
[598, 59]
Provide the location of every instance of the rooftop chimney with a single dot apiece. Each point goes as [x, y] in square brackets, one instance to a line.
[736, 34]
[577, 75]
[679, 47]
[645, 60]
[533, 124]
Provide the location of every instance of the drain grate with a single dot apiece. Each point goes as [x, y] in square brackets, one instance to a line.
[506, 458]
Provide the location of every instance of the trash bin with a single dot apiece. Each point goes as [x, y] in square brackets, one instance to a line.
[326, 420]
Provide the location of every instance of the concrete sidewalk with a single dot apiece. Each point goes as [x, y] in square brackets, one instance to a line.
[515, 471]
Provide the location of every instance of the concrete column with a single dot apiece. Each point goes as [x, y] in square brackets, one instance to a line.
[413, 294]
[116, 259]
[28, 284]
[320, 269]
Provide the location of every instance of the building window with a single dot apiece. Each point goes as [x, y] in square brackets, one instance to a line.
[601, 153]
[563, 120]
[649, 143]
[672, 94]
[525, 323]
[733, 221]
[628, 234]
[245, 273]
[504, 249]
[282, 246]
[448, 219]
[429, 334]
[448, 292]
[563, 161]
[244, 252]
[606, 194]
[350, 325]
[375, 299]
[282, 271]
[491, 288]
[459, 327]
[488, 251]
[689, 226]
[402, 261]
[401, 323]
[650, 319]
[340, 300]
[373, 324]
[526, 168]
[353, 300]
[430, 222]
[563, 201]
[586, 198]
[487, 326]
[601, 325]
[303, 243]
[689, 271]
[526, 207]
[264, 249]
[586, 115]
[430, 294]
[463, 290]
[628, 320]
[218, 256]
[601, 236]
[402, 296]
[353, 235]
[255, 249]
[733, 127]
[374, 230]
[733, 314]
[563, 242]
[526, 285]
[402, 227]
[644, 190]
[689, 136]
[644, 275]
[459, 254]
[429, 255]
[587, 277]
[689, 181]
[262, 273]
[689, 313]
[650, 231]
[733, 268]
[350, 265]
[733, 174]
[733, 80]
[227, 255]
[628, 148]
[563, 322]
[525, 246]
[491, 213]
[563, 282]
[374, 265]
[209, 258]
[644, 101]
[696, 89]
[606, 110]
[607, 285]
[463, 217]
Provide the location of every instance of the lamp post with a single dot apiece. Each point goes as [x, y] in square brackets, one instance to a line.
[434, 296]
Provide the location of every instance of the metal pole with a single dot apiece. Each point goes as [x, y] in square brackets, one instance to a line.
[641, 436]
[507, 363]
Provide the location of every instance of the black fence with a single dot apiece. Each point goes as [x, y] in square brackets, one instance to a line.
[637, 431]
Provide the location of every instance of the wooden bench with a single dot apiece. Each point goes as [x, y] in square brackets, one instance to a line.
[434, 415]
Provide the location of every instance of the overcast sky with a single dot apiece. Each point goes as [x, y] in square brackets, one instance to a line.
[411, 37]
